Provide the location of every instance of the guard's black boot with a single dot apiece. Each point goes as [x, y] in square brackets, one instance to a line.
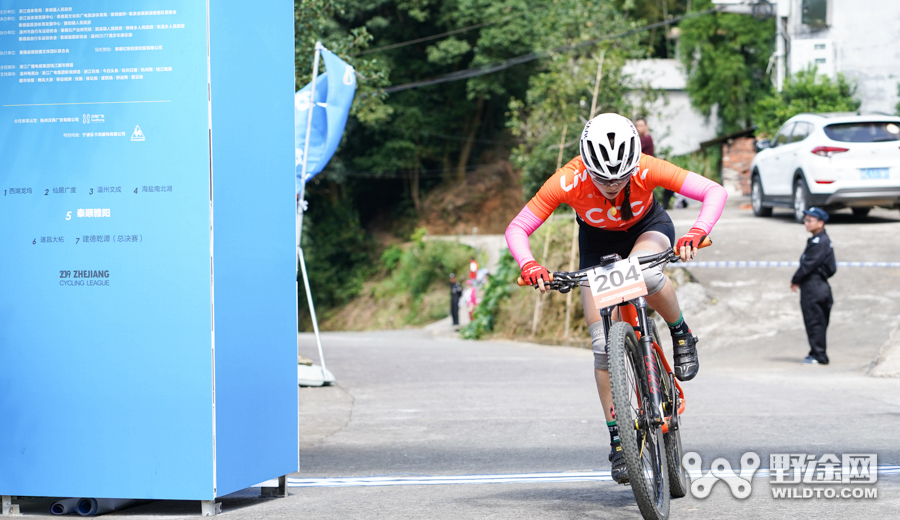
[685, 349]
[617, 464]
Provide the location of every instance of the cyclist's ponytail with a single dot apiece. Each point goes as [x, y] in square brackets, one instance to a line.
[626, 203]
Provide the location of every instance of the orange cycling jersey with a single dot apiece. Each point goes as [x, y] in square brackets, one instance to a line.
[571, 185]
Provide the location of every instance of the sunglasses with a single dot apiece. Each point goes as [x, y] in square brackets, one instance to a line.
[612, 184]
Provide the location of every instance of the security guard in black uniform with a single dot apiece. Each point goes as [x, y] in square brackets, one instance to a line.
[817, 265]
[455, 292]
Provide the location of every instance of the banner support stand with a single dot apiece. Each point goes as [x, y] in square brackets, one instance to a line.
[301, 198]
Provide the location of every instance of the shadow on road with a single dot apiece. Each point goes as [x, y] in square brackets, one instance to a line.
[580, 500]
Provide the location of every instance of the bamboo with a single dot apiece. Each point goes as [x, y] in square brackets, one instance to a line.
[574, 248]
[539, 298]
[572, 252]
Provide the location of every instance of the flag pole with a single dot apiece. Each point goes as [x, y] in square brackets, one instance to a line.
[301, 198]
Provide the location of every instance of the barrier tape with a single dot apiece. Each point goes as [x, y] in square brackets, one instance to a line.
[755, 264]
[520, 478]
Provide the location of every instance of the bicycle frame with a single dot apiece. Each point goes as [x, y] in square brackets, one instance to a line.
[634, 312]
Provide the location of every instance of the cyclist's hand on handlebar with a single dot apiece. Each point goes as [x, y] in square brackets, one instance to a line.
[535, 274]
[687, 246]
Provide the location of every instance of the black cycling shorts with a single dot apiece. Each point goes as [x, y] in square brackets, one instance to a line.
[595, 243]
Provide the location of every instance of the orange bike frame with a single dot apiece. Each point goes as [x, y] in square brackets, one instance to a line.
[629, 315]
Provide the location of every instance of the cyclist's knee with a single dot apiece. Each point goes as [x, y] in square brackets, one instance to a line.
[653, 277]
[598, 341]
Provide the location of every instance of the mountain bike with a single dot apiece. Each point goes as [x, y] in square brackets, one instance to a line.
[647, 399]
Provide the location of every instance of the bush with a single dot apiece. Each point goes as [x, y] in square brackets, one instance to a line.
[495, 291]
[806, 91]
[423, 264]
[338, 253]
[702, 162]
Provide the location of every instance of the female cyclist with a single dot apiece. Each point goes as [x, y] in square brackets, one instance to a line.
[616, 213]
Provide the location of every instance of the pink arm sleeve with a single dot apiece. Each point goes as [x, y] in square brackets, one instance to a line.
[517, 235]
[711, 194]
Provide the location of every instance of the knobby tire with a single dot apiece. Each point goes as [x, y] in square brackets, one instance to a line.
[644, 450]
[679, 481]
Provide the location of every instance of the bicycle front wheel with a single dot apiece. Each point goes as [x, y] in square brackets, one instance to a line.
[642, 442]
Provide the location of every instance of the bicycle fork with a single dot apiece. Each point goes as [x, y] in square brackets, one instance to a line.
[656, 414]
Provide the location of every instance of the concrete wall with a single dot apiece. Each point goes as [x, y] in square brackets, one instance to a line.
[737, 155]
[865, 46]
[675, 126]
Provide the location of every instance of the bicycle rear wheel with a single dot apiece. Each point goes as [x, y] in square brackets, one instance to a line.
[642, 442]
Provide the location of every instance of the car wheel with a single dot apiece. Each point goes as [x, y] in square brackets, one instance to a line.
[756, 199]
[801, 200]
[860, 212]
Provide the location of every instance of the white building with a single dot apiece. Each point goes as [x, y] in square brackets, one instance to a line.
[857, 38]
[676, 127]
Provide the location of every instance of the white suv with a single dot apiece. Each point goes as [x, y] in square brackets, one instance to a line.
[831, 161]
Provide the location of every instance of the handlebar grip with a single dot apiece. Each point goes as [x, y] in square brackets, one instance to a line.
[705, 243]
[521, 281]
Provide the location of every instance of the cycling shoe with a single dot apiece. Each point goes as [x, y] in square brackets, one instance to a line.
[617, 463]
[685, 350]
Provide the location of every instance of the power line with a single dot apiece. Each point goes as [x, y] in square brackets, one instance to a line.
[432, 37]
[394, 175]
[525, 58]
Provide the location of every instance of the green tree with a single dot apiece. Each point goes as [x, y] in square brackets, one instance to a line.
[657, 42]
[396, 147]
[319, 20]
[726, 56]
[806, 91]
[560, 93]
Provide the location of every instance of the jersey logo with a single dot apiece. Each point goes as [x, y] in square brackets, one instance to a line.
[578, 177]
[638, 203]
[644, 173]
[587, 215]
[618, 209]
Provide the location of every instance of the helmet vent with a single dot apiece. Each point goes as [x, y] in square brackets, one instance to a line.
[602, 152]
[595, 162]
[612, 139]
[631, 155]
[621, 152]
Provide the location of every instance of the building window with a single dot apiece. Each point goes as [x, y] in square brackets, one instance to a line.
[815, 12]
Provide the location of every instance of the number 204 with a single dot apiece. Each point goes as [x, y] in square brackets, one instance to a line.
[616, 279]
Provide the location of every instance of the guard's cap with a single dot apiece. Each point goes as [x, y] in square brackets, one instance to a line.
[819, 213]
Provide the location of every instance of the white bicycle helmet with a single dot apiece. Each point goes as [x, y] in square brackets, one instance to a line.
[610, 147]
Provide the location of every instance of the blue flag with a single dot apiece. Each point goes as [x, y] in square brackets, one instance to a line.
[334, 95]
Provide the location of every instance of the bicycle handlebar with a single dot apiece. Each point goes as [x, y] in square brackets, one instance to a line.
[574, 277]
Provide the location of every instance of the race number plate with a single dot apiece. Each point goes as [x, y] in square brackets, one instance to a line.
[617, 283]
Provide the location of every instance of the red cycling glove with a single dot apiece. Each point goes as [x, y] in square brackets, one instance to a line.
[693, 239]
[533, 271]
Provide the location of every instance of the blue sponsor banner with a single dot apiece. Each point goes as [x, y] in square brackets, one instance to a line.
[105, 326]
[334, 95]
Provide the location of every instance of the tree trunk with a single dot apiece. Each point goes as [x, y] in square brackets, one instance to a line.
[414, 185]
[475, 123]
[447, 164]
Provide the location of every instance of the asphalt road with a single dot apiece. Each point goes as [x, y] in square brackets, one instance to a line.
[417, 403]
[424, 404]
